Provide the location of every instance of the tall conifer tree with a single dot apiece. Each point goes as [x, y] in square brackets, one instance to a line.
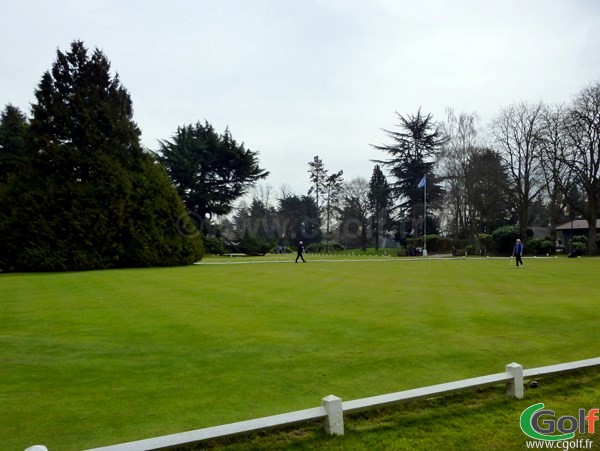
[210, 170]
[93, 198]
[412, 156]
[380, 202]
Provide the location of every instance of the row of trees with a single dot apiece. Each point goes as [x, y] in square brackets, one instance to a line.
[353, 212]
[78, 191]
[537, 166]
[540, 166]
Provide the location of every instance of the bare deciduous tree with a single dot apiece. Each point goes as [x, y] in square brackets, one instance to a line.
[518, 133]
[582, 156]
[462, 143]
[556, 172]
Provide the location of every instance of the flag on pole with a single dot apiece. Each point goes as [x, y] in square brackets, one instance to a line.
[423, 182]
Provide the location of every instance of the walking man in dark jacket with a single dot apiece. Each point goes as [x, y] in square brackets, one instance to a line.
[300, 252]
[518, 252]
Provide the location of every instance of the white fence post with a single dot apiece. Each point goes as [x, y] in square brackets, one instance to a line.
[514, 388]
[334, 421]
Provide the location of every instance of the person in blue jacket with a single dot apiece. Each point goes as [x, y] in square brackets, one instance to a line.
[518, 253]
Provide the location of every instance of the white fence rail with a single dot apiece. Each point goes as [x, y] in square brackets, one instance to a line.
[332, 408]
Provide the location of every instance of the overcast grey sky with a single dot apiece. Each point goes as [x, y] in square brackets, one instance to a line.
[295, 79]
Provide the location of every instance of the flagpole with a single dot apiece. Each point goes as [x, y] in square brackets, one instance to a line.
[425, 219]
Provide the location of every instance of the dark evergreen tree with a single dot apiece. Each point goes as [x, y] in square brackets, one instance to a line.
[310, 227]
[91, 197]
[412, 152]
[209, 170]
[15, 146]
[299, 219]
[318, 178]
[251, 229]
[380, 202]
[290, 216]
[488, 191]
[333, 193]
[257, 220]
[326, 189]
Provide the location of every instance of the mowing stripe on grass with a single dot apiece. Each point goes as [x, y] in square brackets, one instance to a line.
[103, 357]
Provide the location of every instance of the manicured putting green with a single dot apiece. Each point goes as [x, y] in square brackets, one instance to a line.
[96, 358]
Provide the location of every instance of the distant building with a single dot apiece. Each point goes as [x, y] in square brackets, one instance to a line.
[565, 232]
[540, 232]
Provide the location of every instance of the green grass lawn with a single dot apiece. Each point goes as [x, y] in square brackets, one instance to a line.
[95, 358]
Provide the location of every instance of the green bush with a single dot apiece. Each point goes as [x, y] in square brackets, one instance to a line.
[433, 243]
[579, 242]
[504, 238]
[315, 247]
[487, 242]
[213, 245]
[540, 246]
[470, 249]
[457, 247]
[253, 245]
[445, 244]
[548, 247]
